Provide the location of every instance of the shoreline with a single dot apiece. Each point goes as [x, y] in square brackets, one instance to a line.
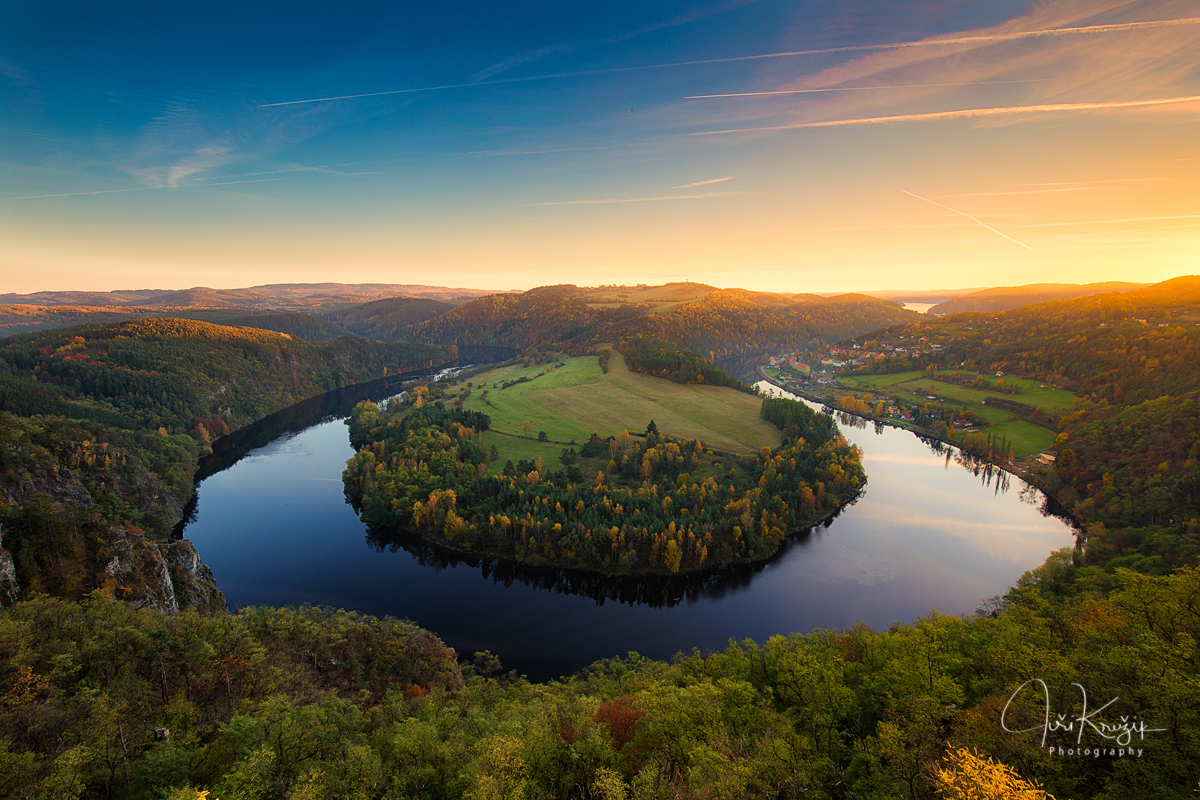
[1012, 470]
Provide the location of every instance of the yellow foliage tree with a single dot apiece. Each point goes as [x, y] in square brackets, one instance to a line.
[964, 775]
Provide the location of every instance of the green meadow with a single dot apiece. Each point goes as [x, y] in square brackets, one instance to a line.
[571, 402]
[1027, 438]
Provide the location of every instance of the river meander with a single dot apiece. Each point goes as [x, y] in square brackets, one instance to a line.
[929, 533]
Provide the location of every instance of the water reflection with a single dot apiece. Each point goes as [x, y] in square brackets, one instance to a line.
[990, 475]
[654, 591]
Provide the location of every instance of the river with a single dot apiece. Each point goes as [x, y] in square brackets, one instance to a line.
[929, 533]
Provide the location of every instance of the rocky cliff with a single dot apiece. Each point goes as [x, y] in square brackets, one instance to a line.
[80, 511]
[165, 576]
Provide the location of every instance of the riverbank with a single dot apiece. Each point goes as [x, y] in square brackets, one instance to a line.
[1018, 468]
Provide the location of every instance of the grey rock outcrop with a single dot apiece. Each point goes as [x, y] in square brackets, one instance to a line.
[167, 577]
[195, 586]
[10, 592]
[61, 485]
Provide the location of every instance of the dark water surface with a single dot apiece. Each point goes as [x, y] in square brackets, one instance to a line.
[928, 534]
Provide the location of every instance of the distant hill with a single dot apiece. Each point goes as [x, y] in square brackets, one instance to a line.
[308, 327]
[1003, 298]
[26, 318]
[386, 319]
[279, 296]
[715, 323]
[712, 322]
[932, 296]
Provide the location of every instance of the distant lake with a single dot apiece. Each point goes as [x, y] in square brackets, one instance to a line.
[920, 308]
[272, 522]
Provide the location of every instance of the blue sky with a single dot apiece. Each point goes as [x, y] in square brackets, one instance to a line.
[142, 144]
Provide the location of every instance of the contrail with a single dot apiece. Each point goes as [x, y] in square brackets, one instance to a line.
[704, 183]
[968, 216]
[610, 200]
[135, 189]
[78, 194]
[1159, 218]
[862, 88]
[990, 38]
[1055, 190]
[962, 114]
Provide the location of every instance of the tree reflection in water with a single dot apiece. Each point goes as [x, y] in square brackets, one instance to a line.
[656, 591]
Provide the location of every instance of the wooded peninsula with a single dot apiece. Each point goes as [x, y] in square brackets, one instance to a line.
[644, 504]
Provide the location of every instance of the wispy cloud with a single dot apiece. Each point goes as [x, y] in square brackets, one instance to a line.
[704, 183]
[686, 18]
[968, 216]
[325, 169]
[14, 73]
[520, 58]
[967, 113]
[942, 42]
[612, 200]
[1077, 50]
[45, 137]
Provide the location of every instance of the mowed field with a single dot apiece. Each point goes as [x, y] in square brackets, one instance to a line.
[573, 402]
[1026, 437]
[914, 384]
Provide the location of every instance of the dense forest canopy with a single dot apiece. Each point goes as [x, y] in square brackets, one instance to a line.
[664, 360]
[388, 319]
[102, 700]
[178, 374]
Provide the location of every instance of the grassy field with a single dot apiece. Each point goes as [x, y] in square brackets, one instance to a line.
[915, 384]
[518, 448]
[574, 401]
[882, 381]
[1026, 437]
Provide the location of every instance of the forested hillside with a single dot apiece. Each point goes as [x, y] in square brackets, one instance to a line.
[102, 700]
[101, 427]
[655, 357]
[1128, 454]
[387, 319]
[1003, 298]
[712, 322]
[27, 318]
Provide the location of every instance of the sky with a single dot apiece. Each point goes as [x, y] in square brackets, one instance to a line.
[803, 145]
